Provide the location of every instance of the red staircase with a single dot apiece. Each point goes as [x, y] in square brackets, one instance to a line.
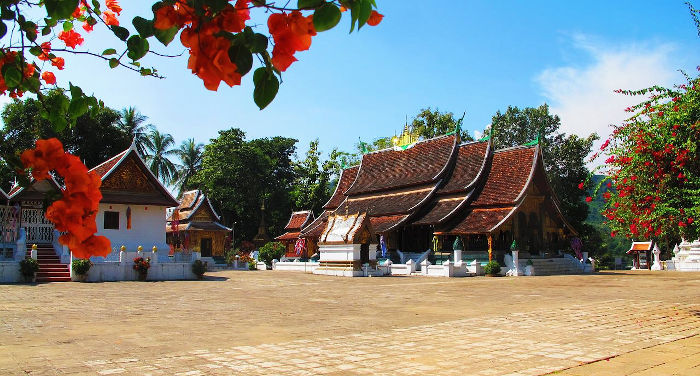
[50, 267]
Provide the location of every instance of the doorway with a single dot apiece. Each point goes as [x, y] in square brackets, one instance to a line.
[205, 247]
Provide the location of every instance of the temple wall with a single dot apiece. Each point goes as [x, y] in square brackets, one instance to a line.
[147, 226]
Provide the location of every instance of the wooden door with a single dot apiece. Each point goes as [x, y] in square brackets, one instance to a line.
[205, 247]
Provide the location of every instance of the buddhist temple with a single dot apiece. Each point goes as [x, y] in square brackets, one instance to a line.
[422, 196]
[195, 225]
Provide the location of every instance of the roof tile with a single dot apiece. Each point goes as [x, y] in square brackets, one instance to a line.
[507, 177]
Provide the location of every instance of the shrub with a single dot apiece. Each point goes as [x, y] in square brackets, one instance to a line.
[252, 265]
[492, 268]
[199, 268]
[28, 267]
[271, 251]
[81, 266]
[142, 265]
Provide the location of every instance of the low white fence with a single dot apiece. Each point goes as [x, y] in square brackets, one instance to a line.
[122, 269]
[9, 272]
[291, 266]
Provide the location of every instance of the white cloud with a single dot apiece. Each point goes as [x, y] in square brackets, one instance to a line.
[583, 95]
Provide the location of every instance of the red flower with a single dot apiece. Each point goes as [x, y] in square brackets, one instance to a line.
[580, 185]
[113, 5]
[87, 27]
[45, 49]
[690, 220]
[589, 199]
[71, 38]
[375, 18]
[58, 62]
[49, 78]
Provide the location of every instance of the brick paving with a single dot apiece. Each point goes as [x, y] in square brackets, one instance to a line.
[293, 324]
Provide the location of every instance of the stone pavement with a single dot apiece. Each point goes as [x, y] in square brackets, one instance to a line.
[294, 324]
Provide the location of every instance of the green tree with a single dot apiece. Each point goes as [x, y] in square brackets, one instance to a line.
[311, 189]
[429, 124]
[271, 251]
[564, 155]
[190, 155]
[132, 123]
[159, 149]
[239, 175]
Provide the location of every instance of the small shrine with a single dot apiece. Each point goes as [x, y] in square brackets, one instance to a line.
[195, 225]
[686, 257]
[346, 247]
[295, 246]
[641, 254]
[261, 238]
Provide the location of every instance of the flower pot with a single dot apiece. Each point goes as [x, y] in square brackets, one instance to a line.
[142, 276]
[81, 277]
[29, 278]
[200, 276]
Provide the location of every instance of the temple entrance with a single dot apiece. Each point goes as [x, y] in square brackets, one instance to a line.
[39, 229]
[205, 247]
[364, 254]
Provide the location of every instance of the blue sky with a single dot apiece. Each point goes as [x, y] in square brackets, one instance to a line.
[473, 56]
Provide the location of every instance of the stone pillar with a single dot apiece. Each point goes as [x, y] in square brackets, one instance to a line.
[516, 268]
[411, 266]
[457, 255]
[34, 251]
[424, 266]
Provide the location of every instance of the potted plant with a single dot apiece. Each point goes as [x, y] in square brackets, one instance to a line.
[529, 268]
[28, 268]
[492, 269]
[199, 268]
[142, 265]
[80, 268]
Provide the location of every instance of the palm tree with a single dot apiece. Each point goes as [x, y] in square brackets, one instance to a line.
[132, 122]
[190, 154]
[158, 147]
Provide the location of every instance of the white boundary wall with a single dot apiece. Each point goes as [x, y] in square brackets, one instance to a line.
[9, 272]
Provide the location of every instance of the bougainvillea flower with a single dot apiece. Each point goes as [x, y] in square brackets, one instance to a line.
[110, 18]
[291, 32]
[375, 18]
[71, 38]
[580, 185]
[45, 50]
[87, 27]
[49, 78]
[113, 5]
[58, 62]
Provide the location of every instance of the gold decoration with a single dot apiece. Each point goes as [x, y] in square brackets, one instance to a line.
[155, 249]
[129, 177]
[122, 248]
[34, 247]
[139, 248]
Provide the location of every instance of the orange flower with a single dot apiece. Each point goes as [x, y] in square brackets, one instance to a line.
[87, 27]
[58, 62]
[45, 50]
[49, 78]
[113, 5]
[71, 38]
[291, 32]
[76, 211]
[374, 18]
[110, 18]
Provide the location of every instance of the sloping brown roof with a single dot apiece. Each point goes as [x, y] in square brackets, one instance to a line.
[289, 236]
[471, 160]
[439, 210]
[347, 177]
[103, 168]
[641, 247]
[315, 228]
[298, 220]
[378, 204]
[392, 169]
[382, 224]
[191, 203]
[508, 176]
[478, 221]
[189, 199]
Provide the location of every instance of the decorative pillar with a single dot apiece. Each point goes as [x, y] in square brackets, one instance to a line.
[516, 267]
[457, 247]
[122, 253]
[34, 251]
[490, 240]
[154, 259]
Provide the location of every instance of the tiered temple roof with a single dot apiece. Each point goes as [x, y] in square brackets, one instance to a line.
[297, 221]
[457, 188]
[195, 212]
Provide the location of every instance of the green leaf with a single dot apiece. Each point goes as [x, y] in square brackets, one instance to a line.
[109, 51]
[137, 46]
[258, 44]
[365, 12]
[143, 26]
[46, 31]
[75, 91]
[120, 32]
[3, 29]
[78, 107]
[31, 35]
[326, 17]
[50, 22]
[165, 36]
[12, 76]
[36, 51]
[309, 3]
[7, 14]
[354, 14]
[113, 63]
[266, 87]
[60, 9]
[67, 26]
[242, 57]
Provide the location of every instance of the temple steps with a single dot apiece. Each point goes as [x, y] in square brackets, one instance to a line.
[50, 267]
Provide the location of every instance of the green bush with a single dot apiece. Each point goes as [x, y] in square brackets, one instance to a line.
[492, 268]
[252, 265]
[28, 267]
[199, 268]
[81, 266]
[271, 251]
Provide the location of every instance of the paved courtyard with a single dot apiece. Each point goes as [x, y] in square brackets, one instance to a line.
[295, 324]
